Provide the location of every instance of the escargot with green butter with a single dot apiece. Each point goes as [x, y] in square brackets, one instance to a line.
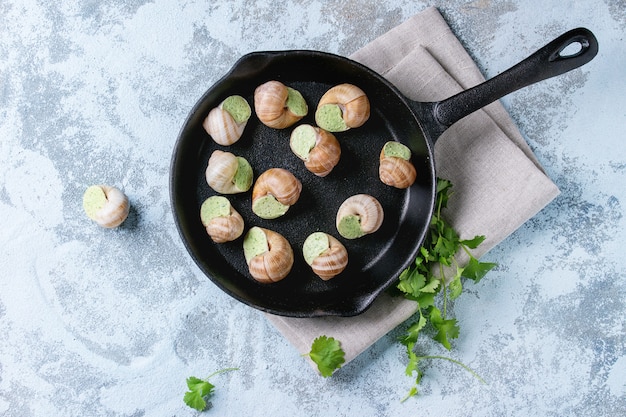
[318, 148]
[223, 223]
[359, 215]
[226, 122]
[227, 173]
[395, 168]
[268, 254]
[342, 107]
[106, 205]
[326, 255]
[279, 106]
[274, 192]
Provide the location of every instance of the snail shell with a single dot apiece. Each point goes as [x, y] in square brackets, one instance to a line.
[318, 148]
[351, 101]
[396, 170]
[106, 205]
[359, 215]
[226, 122]
[268, 254]
[326, 255]
[278, 106]
[274, 192]
[223, 223]
[227, 173]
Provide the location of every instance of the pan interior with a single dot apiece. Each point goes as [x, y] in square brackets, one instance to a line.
[376, 260]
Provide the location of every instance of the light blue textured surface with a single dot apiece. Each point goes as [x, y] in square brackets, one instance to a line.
[110, 323]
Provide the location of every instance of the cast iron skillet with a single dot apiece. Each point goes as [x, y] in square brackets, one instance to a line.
[375, 261]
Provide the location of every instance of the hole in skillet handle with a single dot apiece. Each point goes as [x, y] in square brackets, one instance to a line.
[578, 42]
[571, 50]
[555, 58]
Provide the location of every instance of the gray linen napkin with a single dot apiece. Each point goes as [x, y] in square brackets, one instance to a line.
[498, 182]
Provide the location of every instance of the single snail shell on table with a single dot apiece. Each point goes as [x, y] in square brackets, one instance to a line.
[395, 168]
[318, 148]
[106, 205]
[342, 107]
[227, 173]
[274, 192]
[326, 255]
[226, 122]
[268, 254]
[359, 215]
[278, 106]
[223, 223]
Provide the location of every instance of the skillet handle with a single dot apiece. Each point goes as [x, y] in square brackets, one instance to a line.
[547, 62]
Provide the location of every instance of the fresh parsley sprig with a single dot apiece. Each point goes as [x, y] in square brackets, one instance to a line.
[200, 390]
[327, 354]
[426, 279]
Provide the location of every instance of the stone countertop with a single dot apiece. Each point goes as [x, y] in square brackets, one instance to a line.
[111, 322]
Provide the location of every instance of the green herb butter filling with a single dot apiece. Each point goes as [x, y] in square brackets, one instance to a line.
[296, 103]
[243, 176]
[303, 139]
[216, 206]
[350, 227]
[316, 244]
[93, 200]
[254, 243]
[397, 149]
[238, 108]
[329, 117]
[267, 207]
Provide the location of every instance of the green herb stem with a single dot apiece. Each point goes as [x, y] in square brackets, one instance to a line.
[221, 371]
[444, 289]
[462, 365]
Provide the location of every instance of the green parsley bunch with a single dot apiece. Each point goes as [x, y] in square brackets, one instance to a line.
[425, 279]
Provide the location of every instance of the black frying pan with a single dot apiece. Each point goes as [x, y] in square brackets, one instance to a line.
[375, 261]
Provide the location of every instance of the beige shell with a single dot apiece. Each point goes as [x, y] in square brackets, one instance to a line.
[280, 183]
[222, 127]
[220, 172]
[366, 208]
[270, 104]
[332, 262]
[274, 265]
[325, 154]
[115, 211]
[225, 228]
[396, 172]
[353, 102]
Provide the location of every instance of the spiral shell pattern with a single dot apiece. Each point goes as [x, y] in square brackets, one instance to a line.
[280, 183]
[114, 209]
[275, 264]
[396, 172]
[221, 171]
[324, 155]
[332, 262]
[366, 209]
[353, 102]
[222, 127]
[270, 104]
[225, 228]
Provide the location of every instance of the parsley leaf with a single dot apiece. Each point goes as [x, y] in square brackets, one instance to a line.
[473, 243]
[200, 390]
[446, 328]
[475, 270]
[326, 352]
